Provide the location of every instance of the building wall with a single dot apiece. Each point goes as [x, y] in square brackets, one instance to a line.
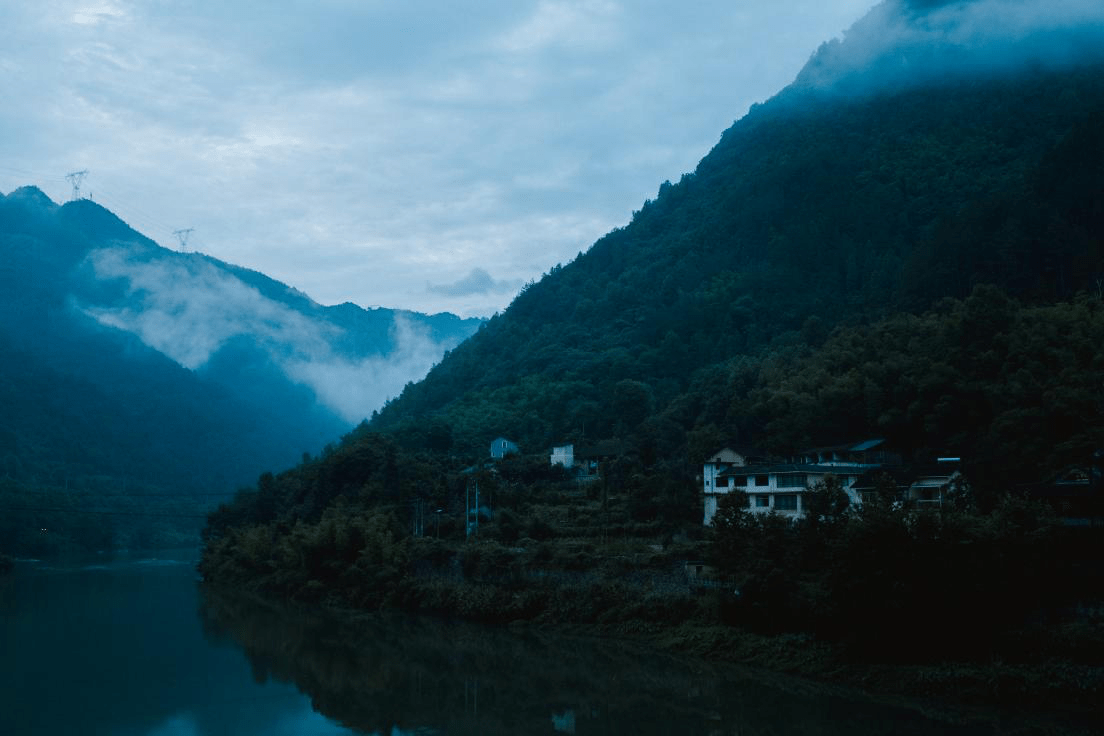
[564, 456]
[771, 491]
[502, 447]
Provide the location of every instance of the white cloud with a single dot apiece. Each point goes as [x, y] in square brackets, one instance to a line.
[188, 308]
[96, 13]
[897, 44]
[355, 389]
[586, 23]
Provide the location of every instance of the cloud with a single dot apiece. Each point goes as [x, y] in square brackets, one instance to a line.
[912, 41]
[564, 24]
[478, 281]
[354, 389]
[186, 307]
[358, 149]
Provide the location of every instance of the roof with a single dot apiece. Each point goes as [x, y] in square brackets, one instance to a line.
[847, 447]
[868, 480]
[786, 468]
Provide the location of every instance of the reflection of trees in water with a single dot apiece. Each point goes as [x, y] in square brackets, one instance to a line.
[373, 673]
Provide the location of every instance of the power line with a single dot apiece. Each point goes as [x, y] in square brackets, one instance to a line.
[76, 178]
[182, 236]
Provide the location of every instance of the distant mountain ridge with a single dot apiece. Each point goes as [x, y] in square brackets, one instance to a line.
[127, 365]
[189, 306]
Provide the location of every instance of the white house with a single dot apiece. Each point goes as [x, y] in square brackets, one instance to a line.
[780, 487]
[715, 464]
[585, 461]
[564, 456]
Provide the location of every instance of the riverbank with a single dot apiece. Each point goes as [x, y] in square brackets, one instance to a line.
[1000, 608]
[681, 621]
[525, 673]
[951, 694]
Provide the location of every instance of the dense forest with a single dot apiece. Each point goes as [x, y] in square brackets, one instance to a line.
[812, 214]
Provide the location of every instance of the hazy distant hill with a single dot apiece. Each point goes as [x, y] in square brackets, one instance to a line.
[934, 148]
[128, 368]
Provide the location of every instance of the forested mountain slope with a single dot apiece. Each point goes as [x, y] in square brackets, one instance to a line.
[137, 382]
[918, 258]
[818, 209]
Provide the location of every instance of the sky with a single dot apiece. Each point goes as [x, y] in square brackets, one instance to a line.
[432, 156]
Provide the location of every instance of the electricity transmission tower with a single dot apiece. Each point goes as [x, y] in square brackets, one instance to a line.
[76, 178]
[182, 236]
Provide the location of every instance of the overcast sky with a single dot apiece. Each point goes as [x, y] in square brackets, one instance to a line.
[424, 155]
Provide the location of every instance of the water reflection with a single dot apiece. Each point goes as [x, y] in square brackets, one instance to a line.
[410, 675]
[118, 649]
[115, 648]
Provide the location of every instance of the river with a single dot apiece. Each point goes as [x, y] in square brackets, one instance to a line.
[138, 647]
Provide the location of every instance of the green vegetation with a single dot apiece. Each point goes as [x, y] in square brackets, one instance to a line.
[810, 214]
[921, 265]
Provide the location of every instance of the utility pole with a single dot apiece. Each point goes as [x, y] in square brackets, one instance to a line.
[182, 236]
[471, 514]
[76, 178]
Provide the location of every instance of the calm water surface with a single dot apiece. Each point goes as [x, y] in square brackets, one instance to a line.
[138, 647]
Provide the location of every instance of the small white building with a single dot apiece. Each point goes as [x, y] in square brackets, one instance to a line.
[564, 456]
[930, 486]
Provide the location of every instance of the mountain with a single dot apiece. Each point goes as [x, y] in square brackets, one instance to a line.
[935, 148]
[917, 259]
[132, 371]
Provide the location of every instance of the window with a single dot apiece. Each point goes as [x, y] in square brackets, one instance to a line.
[792, 480]
[739, 480]
[762, 480]
[762, 501]
[785, 502]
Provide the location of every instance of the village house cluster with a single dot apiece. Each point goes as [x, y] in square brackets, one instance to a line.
[780, 486]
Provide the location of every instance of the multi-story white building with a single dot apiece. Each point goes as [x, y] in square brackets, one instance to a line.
[780, 487]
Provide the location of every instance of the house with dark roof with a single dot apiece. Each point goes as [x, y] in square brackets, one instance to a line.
[1076, 494]
[780, 486]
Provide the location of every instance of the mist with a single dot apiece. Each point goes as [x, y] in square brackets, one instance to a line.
[188, 308]
[902, 42]
[354, 389]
